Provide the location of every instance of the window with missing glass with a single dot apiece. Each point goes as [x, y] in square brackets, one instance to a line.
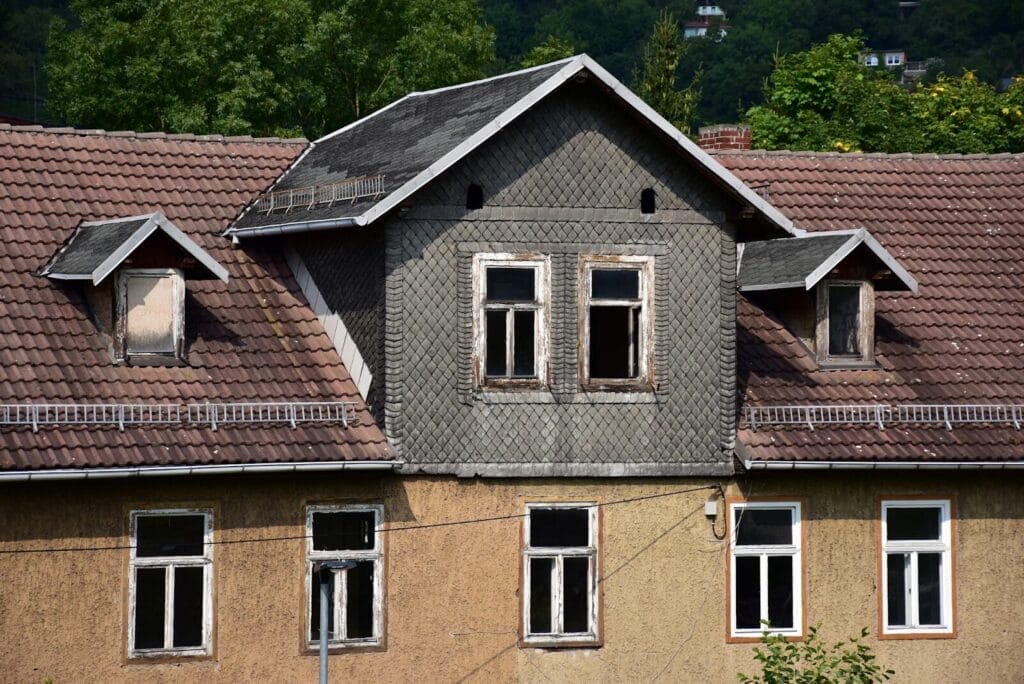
[170, 583]
[616, 321]
[511, 319]
[346, 533]
[765, 569]
[917, 567]
[560, 566]
[845, 328]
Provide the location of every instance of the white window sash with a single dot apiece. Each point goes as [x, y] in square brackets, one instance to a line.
[911, 549]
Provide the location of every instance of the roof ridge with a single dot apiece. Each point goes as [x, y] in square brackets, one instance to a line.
[931, 156]
[517, 72]
[159, 135]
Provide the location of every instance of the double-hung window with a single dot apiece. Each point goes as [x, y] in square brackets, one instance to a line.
[765, 569]
[170, 583]
[560, 565]
[356, 601]
[917, 567]
[511, 319]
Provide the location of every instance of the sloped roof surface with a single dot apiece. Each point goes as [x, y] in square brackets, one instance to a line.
[785, 261]
[252, 339]
[91, 244]
[957, 224]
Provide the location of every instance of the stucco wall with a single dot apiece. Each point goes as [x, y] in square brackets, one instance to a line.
[452, 592]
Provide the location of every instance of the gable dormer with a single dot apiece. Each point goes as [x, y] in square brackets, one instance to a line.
[134, 271]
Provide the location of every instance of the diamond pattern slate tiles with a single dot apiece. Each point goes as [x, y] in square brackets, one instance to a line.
[957, 224]
[253, 339]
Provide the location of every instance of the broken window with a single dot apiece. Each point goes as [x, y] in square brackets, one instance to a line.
[170, 583]
[346, 533]
[845, 322]
[765, 569]
[560, 564]
[917, 570]
[151, 315]
[511, 319]
[618, 332]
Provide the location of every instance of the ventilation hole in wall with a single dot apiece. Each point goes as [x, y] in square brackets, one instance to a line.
[474, 196]
[647, 201]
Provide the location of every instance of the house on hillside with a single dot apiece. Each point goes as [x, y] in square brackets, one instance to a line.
[710, 20]
[572, 397]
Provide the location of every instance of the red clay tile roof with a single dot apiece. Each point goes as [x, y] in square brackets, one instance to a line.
[957, 224]
[253, 339]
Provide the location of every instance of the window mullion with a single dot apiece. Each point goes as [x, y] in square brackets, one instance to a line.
[912, 590]
[763, 594]
[509, 342]
[169, 606]
[556, 595]
[340, 603]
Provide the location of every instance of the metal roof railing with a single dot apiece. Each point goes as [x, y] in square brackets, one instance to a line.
[880, 415]
[292, 413]
[88, 414]
[348, 190]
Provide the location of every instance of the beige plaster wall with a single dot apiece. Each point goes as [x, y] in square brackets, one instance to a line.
[453, 591]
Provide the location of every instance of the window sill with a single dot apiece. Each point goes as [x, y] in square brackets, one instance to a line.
[167, 656]
[847, 364]
[155, 360]
[489, 397]
[584, 641]
[753, 638]
[335, 647]
[918, 634]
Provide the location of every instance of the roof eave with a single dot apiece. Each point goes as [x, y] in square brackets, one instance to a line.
[857, 238]
[231, 468]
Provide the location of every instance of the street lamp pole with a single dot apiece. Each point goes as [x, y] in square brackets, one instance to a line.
[326, 570]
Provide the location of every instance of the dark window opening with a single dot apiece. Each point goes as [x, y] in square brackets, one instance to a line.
[169, 535]
[343, 530]
[895, 567]
[540, 595]
[575, 594]
[843, 320]
[188, 607]
[474, 196]
[511, 284]
[764, 526]
[359, 607]
[614, 342]
[929, 588]
[748, 592]
[553, 527]
[647, 201]
[913, 523]
[780, 591]
[149, 607]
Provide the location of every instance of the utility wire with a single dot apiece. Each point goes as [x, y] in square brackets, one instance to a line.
[387, 530]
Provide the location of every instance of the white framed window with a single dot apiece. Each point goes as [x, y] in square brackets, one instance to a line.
[510, 322]
[616, 321]
[151, 315]
[846, 322]
[871, 60]
[916, 567]
[560, 570]
[765, 569]
[170, 585]
[894, 59]
[356, 595]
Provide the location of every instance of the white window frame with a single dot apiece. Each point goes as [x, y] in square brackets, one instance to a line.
[865, 324]
[645, 300]
[943, 546]
[541, 265]
[170, 563]
[340, 596]
[893, 59]
[764, 551]
[558, 636]
[871, 60]
[177, 320]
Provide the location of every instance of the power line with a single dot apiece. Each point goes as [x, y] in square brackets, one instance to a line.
[388, 530]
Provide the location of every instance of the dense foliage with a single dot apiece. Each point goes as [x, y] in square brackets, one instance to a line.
[656, 81]
[813, 662]
[23, 28]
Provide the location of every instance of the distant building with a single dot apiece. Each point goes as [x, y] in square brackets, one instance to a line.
[710, 19]
[889, 58]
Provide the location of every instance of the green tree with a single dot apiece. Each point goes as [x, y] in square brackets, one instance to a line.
[552, 49]
[656, 82]
[813, 662]
[967, 115]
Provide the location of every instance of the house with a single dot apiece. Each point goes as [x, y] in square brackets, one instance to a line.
[485, 345]
[710, 19]
[890, 58]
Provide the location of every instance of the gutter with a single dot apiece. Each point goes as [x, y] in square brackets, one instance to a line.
[230, 469]
[284, 228]
[883, 465]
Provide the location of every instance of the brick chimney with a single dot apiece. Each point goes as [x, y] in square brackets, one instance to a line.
[725, 137]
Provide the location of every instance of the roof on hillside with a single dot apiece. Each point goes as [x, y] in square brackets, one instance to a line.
[957, 224]
[253, 339]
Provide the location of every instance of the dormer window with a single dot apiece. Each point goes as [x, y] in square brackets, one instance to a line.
[151, 315]
[845, 331]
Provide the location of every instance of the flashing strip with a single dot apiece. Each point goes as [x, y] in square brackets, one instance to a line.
[883, 465]
[303, 227]
[156, 471]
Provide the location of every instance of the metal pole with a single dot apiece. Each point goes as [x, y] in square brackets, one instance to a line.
[325, 575]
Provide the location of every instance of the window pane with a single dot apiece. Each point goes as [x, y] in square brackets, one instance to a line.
[761, 526]
[149, 607]
[559, 527]
[613, 342]
[895, 568]
[913, 523]
[540, 595]
[510, 284]
[575, 594]
[314, 598]
[344, 530]
[843, 305]
[359, 611]
[748, 592]
[169, 535]
[496, 339]
[615, 283]
[929, 588]
[522, 344]
[149, 310]
[188, 606]
[780, 591]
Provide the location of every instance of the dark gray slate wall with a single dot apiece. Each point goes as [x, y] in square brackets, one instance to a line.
[563, 180]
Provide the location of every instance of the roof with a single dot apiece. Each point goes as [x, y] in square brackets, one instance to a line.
[96, 248]
[253, 339]
[956, 223]
[418, 137]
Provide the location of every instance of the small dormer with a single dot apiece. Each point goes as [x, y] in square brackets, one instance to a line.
[822, 286]
[134, 272]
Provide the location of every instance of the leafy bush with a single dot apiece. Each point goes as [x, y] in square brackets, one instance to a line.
[813, 662]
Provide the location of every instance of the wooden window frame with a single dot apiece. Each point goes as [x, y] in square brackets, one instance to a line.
[170, 563]
[541, 264]
[558, 638]
[376, 554]
[645, 376]
[865, 325]
[171, 358]
[795, 551]
[945, 545]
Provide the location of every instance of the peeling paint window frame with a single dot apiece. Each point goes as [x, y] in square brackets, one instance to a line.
[541, 265]
[911, 549]
[177, 322]
[204, 561]
[558, 636]
[763, 552]
[865, 325]
[339, 597]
